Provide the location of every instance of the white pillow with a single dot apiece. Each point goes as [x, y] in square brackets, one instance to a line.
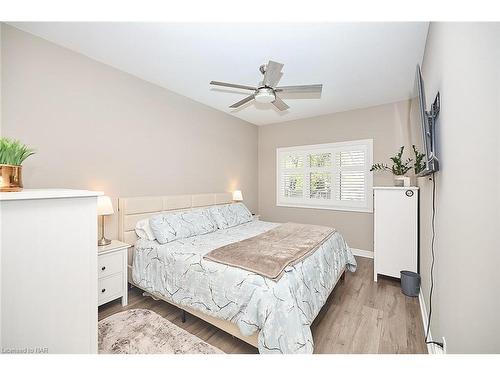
[143, 230]
[230, 215]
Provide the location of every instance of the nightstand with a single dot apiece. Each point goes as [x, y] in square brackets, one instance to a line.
[112, 272]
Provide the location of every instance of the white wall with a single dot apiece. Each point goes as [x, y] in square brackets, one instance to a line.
[462, 61]
[95, 127]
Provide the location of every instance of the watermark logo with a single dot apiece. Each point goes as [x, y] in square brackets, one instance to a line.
[37, 350]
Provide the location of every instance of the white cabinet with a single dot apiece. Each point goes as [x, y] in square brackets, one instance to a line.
[49, 271]
[112, 272]
[395, 230]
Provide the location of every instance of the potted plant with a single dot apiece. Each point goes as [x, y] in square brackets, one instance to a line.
[399, 168]
[12, 154]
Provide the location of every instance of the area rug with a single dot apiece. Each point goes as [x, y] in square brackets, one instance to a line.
[141, 331]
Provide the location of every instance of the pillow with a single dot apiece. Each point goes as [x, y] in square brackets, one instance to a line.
[173, 226]
[143, 230]
[230, 215]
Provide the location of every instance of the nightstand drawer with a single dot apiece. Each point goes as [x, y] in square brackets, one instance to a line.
[110, 264]
[110, 288]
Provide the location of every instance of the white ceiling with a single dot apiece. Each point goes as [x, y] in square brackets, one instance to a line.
[359, 64]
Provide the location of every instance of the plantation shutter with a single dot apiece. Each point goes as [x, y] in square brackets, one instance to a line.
[291, 183]
[334, 176]
[350, 182]
[320, 174]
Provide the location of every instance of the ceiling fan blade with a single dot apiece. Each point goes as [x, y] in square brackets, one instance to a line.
[233, 85]
[280, 104]
[300, 89]
[273, 73]
[242, 101]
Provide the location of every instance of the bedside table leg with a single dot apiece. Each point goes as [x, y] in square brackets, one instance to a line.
[125, 279]
[125, 294]
[183, 318]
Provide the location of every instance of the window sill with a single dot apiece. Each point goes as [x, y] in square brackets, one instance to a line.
[348, 209]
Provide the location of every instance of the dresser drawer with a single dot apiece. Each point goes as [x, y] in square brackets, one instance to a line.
[109, 264]
[110, 287]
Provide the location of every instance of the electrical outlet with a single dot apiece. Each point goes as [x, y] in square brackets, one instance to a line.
[444, 345]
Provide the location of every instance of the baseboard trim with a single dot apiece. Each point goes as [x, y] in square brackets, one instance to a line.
[362, 253]
[431, 348]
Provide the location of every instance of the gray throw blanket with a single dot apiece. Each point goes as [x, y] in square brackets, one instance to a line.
[269, 253]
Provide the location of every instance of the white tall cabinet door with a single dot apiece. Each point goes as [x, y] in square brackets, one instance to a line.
[49, 271]
[395, 230]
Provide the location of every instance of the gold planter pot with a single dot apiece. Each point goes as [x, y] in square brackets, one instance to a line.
[11, 177]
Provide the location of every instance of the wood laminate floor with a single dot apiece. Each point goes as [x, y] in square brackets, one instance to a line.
[360, 316]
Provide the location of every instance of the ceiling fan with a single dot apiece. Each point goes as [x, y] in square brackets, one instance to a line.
[266, 91]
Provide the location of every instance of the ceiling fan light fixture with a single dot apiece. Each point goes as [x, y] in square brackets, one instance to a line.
[265, 95]
[266, 91]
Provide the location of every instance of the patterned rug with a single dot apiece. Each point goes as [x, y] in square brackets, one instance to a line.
[141, 331]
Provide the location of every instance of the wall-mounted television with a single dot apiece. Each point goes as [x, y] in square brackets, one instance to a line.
[427, 121]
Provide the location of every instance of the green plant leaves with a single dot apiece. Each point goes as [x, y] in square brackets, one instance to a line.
[13, 152]
[399, 167]
[419, 164]
[380, 167]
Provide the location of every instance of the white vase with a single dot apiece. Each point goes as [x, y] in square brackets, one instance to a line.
[402, 181]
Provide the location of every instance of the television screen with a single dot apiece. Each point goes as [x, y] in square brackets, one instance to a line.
[426, 122]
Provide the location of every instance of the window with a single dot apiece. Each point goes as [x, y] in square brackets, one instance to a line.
[332, 176]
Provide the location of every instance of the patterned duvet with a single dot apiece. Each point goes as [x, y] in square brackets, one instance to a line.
[282, 310]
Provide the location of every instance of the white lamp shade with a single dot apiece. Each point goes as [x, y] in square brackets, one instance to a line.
[104, 206]
[237, 196]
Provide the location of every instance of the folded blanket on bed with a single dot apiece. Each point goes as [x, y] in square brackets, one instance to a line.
[269, 253]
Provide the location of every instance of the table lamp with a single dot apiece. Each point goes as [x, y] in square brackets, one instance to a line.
[237, 196]
[104, 208]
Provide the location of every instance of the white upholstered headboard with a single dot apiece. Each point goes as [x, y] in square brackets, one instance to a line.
[131, 210]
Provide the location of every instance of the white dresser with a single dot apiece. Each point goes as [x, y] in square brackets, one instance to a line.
[49, 271]
[395, 230]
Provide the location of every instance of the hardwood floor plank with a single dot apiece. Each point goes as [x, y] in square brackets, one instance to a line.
[415, 338]
[393, 338]
[367, 332]
[360, 316]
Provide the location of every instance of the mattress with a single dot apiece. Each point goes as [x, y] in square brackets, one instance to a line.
[282, 310]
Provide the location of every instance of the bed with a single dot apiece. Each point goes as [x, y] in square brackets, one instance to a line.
[272, 315]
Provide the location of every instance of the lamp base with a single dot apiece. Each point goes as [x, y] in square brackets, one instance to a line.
[103, 241]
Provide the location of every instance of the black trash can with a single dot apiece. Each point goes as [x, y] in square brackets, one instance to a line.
[410, 283]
